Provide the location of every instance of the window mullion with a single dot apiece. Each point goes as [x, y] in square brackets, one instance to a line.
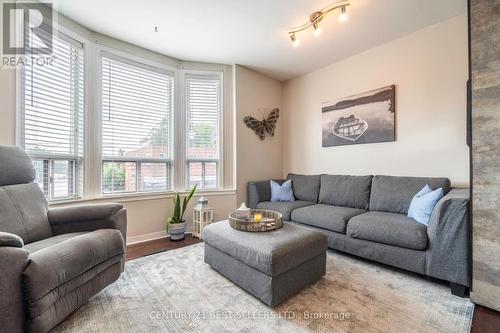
[51, 179]
[138, 176]
[46, 178]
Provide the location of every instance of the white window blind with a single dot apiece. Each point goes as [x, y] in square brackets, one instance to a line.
[53, 117]
[137, 109]
[203, 107]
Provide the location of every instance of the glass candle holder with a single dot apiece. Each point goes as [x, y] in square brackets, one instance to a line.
[257, 217]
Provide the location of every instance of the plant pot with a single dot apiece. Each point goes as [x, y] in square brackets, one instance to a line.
[177, 231]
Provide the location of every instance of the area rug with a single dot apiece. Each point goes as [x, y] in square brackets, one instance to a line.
[176, 291]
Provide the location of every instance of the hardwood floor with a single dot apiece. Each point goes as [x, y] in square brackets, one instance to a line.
[484, 321]
[138, 250]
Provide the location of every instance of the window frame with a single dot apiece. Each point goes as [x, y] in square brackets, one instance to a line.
[220, 142]
[77, 160]
[92, 159]
[169, 162]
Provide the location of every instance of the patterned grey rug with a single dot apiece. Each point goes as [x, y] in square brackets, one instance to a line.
[176, 291]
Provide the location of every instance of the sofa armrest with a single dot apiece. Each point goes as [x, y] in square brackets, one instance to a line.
[448, 255]
[88, 218]
[8, 239]
[13, 262]
[259, 191]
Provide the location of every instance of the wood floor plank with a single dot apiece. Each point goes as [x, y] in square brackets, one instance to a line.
[138, 250]
[485, 320]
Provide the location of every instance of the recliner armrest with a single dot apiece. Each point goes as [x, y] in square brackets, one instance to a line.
[88, 218]
[259, 191]
[448, 255]
[80, 213]
[12, 240]
[13, 262]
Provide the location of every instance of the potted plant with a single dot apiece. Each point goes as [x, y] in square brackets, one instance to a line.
[176, 225]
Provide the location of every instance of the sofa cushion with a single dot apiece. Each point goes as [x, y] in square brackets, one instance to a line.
[345, 191]
[285, 208]
[394, 194]
[305, 187]
[388, 228]
[55, 265]
[328, 217]
[272, 253]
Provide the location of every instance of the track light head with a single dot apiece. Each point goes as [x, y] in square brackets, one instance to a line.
[343, 15]
[317, 29]
[295, 41]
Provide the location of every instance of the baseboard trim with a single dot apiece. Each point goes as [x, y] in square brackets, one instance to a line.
[148, 237]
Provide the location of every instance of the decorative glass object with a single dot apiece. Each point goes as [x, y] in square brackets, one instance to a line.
[260, 220]
[203, 215]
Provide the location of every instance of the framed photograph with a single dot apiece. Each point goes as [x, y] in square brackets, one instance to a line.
[363, 118]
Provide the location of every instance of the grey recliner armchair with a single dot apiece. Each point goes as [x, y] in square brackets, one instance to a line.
[51, 260]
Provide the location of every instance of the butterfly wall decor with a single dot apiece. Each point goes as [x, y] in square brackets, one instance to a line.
[266, 125]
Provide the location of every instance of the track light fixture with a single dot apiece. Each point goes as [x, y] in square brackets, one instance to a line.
[317, 17]
[317, 31]
[295, 41]
[343, 15]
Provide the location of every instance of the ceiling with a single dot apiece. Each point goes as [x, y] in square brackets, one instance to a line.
[253, 33]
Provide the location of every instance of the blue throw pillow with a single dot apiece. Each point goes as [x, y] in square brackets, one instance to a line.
[282, 192]
[423, 203]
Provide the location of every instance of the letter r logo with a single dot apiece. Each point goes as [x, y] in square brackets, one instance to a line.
[27, 28]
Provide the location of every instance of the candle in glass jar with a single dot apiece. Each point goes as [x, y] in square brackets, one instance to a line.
[257, 217]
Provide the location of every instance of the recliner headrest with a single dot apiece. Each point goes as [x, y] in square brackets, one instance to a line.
[15, 166]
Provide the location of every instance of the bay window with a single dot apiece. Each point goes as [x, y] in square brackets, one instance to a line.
[129, 123]
[136, 112]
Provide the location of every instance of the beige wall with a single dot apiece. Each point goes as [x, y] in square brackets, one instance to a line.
[256, 159]
[429, 69]
[147, 215]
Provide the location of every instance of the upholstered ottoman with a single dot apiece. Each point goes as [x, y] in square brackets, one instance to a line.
[272, 266]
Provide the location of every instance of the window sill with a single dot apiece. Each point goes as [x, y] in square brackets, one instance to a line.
[132, 197]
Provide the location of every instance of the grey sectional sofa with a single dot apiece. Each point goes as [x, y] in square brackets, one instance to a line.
[366, 216]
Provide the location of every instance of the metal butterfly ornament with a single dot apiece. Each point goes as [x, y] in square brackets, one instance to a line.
[265, 125]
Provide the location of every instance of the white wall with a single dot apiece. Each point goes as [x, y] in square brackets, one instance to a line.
[256, 159]
[429, 69]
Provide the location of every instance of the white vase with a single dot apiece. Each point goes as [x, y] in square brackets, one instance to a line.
[177, 231]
